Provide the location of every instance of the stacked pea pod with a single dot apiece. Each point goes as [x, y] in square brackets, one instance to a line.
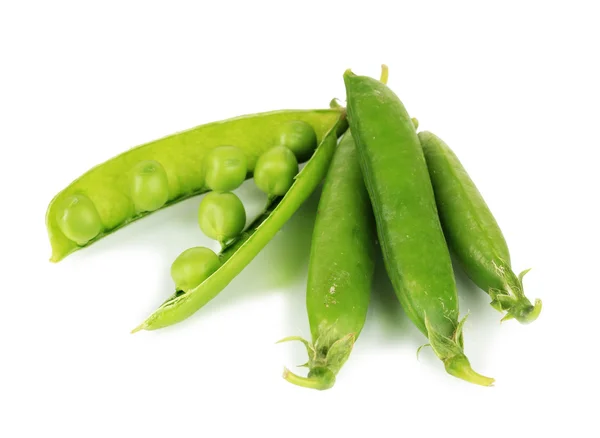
[383, 181]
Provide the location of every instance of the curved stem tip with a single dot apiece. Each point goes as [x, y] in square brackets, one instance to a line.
[319, 382]
[459, 366]
[384, 73]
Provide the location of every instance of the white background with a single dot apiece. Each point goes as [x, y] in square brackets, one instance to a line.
[511, 87]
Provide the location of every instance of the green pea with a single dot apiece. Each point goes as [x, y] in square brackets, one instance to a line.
[149, 186]
[78, 219]
[225, 168]
[299, 137]
[221, 216]
[275, 171]
[193, 266]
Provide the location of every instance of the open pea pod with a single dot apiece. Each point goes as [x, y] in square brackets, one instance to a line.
[240, 253]
[160, 173]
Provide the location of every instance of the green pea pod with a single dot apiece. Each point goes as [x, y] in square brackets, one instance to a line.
[415, 253]
[473, 233]
[240, 253]
[121, 190]
[341, 269]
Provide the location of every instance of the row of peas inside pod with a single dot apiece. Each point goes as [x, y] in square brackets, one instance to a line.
[224, 169]
[221, 214]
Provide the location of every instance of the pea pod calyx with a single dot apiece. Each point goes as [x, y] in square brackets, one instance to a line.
[450, 352]
[513, 301]
[323, 363]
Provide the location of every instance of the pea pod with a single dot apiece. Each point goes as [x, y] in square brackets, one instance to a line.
[122, 190]
[341, 269]
[240, 252]
[473, 233]
[414, 250]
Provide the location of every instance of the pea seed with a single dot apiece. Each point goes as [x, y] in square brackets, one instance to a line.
[78, 219]
[225, 168]
[221, 216]
[149, 186]
[299, 137]
[275, 171]
[193, 266]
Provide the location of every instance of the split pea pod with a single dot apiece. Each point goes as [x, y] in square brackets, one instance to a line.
[473, 233]
[163, 172]
[415, 253]
[239, 253]
[340, 271]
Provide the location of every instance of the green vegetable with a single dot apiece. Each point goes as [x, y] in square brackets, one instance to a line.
[108, 187]
[150, 186]
[275, 171]
[341, 269]
[411, 238]
[193, 266]
[299, 137]
[236, 256]
[225, 168]
[78, 219]
[473, 233]
[221, 216]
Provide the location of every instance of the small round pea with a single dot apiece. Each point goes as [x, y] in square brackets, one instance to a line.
[78, 219]
[275, 171]
[225, 168]
[221, 216]
[299, 137]
[193, 266]
[149, 186]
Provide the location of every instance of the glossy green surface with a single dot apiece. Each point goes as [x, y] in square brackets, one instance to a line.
[221, 216]
[225, 168]
[275, 171]
[108, 186]
[416, 257]
[149, 186]
[236, 256]
[193, 266]
[341, 268]
[472, 231]
[299, 137]
[78, 219]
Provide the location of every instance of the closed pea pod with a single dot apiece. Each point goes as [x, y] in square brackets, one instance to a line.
[275, 171]
[415, 253]
[149, 186]
[340, 271]
[221, 216]
[112, 193]
[473, 233]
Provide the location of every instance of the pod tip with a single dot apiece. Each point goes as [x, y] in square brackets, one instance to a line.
[140, 327]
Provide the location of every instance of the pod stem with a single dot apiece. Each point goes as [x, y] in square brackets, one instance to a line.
[385, 72]
[320, 382]
[450, 352]
[459, 366]
[512, 300]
